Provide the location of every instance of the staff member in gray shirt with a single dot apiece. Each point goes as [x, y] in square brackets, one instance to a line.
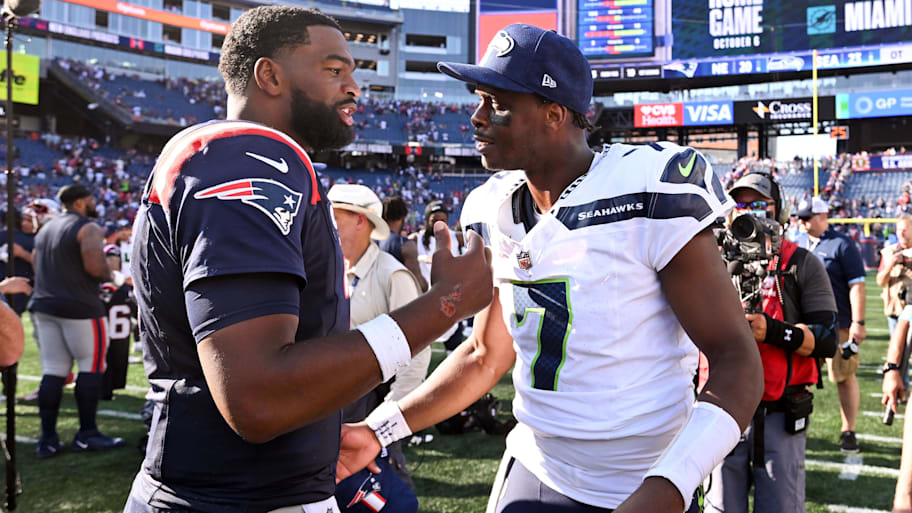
[70, 318]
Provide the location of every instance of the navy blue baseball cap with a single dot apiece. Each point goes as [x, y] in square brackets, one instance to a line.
[528, 59]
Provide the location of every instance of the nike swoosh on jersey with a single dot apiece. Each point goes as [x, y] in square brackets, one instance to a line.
[282, 166]
[685, 171]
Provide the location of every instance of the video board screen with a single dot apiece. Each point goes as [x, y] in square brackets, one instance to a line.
[710, 28]
[615, 28]
[705, 38]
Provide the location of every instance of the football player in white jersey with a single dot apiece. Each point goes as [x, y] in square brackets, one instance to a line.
[608, 279]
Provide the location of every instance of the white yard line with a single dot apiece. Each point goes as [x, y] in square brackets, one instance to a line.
[880, 414]
[853, 465]
[22, 439]
[861, 469]
[132, 388]
[840, 508]
[120, 414]
[879, 439]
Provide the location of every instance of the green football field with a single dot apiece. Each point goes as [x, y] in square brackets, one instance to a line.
[453, 474]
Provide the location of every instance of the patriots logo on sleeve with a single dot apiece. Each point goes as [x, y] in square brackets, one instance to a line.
[369, 494]
[273, 198]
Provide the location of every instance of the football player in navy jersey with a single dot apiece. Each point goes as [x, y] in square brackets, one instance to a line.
[239, 278]
[117, 296]
[608, 279]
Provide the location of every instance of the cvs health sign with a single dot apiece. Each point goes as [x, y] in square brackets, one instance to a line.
[658, 114]
[709, 113]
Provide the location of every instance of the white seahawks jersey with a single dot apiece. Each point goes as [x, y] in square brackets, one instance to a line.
[604, 374]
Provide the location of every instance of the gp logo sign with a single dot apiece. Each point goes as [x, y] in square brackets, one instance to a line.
[708, 113]
[874, 104]
[658, 114]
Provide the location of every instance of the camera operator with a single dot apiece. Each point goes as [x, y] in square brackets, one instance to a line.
[847, 277]
[792, 314]
[895, 272]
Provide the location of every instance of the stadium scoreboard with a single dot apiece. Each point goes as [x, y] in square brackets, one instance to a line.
[675, 39]
[615, 28]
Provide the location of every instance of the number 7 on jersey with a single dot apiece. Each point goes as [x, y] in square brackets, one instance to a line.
[545, 303]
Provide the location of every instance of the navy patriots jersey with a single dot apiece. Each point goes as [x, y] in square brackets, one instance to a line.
[121, 308]
[231, 198]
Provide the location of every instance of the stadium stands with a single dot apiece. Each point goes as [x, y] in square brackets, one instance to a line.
[48, 161]
[185, 102]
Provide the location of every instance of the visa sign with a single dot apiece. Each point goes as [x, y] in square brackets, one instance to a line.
[708, 113]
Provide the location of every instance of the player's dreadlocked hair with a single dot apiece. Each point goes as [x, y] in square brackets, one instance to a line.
[264, 32]
[581, 121]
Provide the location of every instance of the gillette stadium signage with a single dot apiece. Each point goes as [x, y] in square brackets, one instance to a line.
[783, 110]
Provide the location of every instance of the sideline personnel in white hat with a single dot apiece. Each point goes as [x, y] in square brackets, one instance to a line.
[377, 284]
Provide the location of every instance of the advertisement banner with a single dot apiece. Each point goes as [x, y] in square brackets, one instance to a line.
[882, 162]
[712, 28]
[783, 110]
[876, 104]
[25, 76]
[890, 162]
[708, 113]
[136, 11]
[101, 36]
[658, 114]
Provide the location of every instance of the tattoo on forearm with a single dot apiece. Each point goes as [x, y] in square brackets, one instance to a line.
[448, 302]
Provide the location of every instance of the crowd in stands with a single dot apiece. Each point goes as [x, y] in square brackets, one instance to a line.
[172, 101]
[422, 122]
[208, 92]
[116, 175]
[119, 177]
[183, 102]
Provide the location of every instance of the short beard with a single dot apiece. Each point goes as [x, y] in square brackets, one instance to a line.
[318, 125]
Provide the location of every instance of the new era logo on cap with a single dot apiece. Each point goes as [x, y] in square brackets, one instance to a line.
[547, 81]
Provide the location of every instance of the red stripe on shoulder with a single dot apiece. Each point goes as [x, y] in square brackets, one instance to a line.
[183, 147]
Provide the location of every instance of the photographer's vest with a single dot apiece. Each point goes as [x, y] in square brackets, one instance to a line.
[900, 276]
[780, 367]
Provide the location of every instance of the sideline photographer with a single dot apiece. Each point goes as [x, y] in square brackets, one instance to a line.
[895, 272]
[792, 312]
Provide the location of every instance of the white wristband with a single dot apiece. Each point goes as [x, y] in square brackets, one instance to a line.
[388, 423]
[709, 434]
[388, 343]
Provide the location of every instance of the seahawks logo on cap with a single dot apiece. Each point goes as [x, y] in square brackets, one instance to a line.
[502, 44]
